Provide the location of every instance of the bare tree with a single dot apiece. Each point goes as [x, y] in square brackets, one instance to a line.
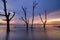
[34, 6]
[44, 22]
[25, 19]
[7, 16]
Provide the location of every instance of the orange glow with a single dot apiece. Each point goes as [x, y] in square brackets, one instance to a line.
[57, 19]
[12, 22]
[52, 18]
[4, 22]
[50, 21]
[54, 21]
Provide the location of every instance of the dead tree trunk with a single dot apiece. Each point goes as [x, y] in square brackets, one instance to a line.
[34, 6]
[27, 26]
[44, 26]
[7, 15]
[8, 25]
[44, 22]
[25, 19]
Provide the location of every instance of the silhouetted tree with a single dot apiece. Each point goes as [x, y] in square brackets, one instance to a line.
[34, 6]
[25, 19]
[44, 22]
[7, 15]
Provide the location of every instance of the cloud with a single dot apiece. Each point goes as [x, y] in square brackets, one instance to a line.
[51, 17]
[54, 14]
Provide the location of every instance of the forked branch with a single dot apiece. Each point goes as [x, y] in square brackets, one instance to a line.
[9, 13]
[24, 10]
[44, 22]
[33, 10]
[12, 16]
[25, 19]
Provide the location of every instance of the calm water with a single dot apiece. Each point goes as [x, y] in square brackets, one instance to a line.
[18, 32]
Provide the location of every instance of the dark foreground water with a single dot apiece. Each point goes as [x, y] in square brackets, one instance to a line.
[19, 32]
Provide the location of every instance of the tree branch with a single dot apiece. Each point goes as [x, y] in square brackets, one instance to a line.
[24, 10]
[2, 15]
[3, 0]
[45, 17]
[9, 13]
[41, 18]
[12, 16]
[23, 19]
[35, 4]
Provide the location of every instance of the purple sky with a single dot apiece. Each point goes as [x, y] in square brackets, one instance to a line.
[15, 5]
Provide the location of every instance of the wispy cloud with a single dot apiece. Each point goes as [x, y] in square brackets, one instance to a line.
[51, 17]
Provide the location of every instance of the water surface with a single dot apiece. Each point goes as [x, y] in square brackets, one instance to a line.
[19, 32]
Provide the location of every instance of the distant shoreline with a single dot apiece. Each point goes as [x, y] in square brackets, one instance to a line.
[30, 24]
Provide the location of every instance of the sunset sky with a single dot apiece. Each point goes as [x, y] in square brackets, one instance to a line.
[52, 7]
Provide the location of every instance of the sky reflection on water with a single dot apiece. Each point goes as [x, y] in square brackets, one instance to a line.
[17, 33]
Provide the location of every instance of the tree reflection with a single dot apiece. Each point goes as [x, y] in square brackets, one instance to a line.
[27, 35]
[45, 35]
[7, 35]
[32, 35]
